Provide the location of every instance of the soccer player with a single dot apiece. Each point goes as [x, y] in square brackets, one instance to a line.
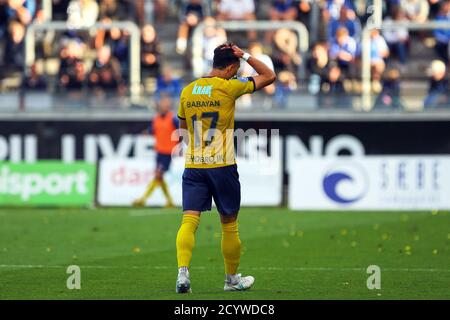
[206, 111]
[163, 125]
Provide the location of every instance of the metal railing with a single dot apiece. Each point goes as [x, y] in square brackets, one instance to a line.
[197, 38]
[135, 46]
[366, 76]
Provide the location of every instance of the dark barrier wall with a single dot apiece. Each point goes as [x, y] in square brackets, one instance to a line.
[28, 140]
[378, 138]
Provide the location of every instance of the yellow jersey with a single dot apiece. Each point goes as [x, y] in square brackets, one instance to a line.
[207, 104]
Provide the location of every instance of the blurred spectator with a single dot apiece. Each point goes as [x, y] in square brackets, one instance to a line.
[238, 10]
[280, 10]
[15, 15]
[3, 20]
[142, 11]
[14, 56]
[106, 72]
[443, 35]
[256, 50]
[348, 20]
[168, 84]
[438, 91]
[285, 86]
[35, 80]
[333, 93]
[398, 37]
[318, 61]
[160, 9]
[59, 9]
[285, 54]
[150, 55]
[303, 8]
[416, 10]
[213, 36]
[191, 15]
[333, 8]
[118, 41]
[44, 39]
[82, 13]
[110, 9]
[364, 10]
[378, 52]
[22, 10]
[434, 8]
[343, 50]
[390, 94]
[283, 10]
[71, 73]
[40, 15]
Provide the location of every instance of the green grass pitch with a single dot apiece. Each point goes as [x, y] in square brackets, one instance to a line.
[130, 254]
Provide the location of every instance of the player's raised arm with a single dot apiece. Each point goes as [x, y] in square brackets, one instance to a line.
[265, 75]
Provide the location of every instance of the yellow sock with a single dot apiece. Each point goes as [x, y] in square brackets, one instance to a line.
[151, 187]
[231, 247]
[186, 239]
[166, 192]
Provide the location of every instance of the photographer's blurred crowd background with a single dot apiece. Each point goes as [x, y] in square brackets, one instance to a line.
[404, 64]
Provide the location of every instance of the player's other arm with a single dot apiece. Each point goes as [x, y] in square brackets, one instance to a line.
[265, 75]
[183, 129]
[183, 124]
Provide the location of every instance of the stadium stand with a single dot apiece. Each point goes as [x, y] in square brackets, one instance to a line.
[86, 60]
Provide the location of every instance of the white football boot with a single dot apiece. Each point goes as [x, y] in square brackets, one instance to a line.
[238, 283]
[183, 284]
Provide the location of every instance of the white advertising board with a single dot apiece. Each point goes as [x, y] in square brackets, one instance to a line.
[370, 183]
[122, 180]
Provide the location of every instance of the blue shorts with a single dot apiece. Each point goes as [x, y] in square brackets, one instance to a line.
[163, 161]
[222, 184]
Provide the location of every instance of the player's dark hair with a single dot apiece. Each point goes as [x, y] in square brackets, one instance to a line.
[224, 56]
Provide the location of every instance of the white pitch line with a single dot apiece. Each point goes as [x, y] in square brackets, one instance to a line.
[6, 266]
[142, 213]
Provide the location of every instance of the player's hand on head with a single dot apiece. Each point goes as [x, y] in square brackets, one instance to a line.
[238, 52]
